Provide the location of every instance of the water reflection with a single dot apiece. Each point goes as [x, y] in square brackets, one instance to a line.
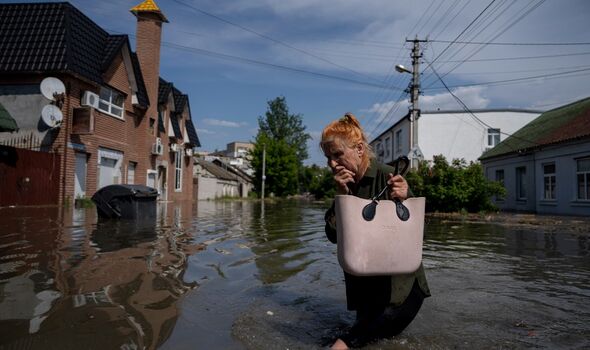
[229, 275]
[278, 240]
[73, 282]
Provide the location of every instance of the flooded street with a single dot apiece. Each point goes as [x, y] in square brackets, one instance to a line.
[235, 275]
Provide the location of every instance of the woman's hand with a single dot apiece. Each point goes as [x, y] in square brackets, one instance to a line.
[398, 187]
[342, 176]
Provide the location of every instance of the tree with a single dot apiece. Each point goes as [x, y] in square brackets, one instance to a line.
[453, 187]
[284, 137]
[318, 181]
[281, 166]
[280, 125]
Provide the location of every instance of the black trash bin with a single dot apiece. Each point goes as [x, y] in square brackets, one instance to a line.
[126, 202]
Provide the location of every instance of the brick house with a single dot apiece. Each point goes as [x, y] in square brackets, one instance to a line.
[122, 123]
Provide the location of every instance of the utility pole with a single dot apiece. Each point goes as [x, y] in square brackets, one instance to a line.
[414, 90]
[263, 169]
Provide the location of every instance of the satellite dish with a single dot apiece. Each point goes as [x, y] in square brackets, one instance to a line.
[51, 86]
[52, 116]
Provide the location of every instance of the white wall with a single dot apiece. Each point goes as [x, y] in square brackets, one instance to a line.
[459, 135]
[211, 188]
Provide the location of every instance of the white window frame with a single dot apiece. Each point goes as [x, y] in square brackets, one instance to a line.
[155, 175]
[493, 137]
[520, 175]
[110, 103]
[549, 178]
[585, 179]
[387, 146]
[178, 170]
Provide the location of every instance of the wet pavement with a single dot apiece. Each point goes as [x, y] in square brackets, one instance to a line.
[236, 275]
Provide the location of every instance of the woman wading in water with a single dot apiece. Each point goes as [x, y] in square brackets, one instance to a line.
[384, 305]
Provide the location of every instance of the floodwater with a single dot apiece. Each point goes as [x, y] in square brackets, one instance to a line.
[236, 275]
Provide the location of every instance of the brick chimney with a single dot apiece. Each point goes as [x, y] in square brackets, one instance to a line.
[148, 41]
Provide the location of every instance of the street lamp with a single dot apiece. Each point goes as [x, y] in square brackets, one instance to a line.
[401, 69]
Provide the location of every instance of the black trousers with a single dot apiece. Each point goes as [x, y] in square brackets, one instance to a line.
[384, 322]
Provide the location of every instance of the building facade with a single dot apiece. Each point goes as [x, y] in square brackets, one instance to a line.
[116, 120]
[545, 166]
[454, 134]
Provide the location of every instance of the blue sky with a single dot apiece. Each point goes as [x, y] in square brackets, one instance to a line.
[331, 57]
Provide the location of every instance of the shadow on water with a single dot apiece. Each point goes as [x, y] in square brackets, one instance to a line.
[235, 275]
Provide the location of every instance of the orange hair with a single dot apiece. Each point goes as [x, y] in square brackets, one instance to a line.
[348, 130]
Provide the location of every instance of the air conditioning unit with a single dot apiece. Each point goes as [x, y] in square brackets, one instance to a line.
[173, 147]
[188, 152]
[90, 99]
[158, 147]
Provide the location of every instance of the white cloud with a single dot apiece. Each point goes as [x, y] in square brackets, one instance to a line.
[472, 96]
[222, 123]
[205, 131]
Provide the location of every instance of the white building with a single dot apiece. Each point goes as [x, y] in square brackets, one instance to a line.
[454, 134]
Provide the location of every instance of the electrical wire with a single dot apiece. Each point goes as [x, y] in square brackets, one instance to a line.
[503, 82]
[271, 65]
[514, 44]
[519, 57]
[466, 109]
[276, 41]
[495, 36]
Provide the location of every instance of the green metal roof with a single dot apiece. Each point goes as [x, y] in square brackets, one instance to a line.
[7, 122]
[561, 124]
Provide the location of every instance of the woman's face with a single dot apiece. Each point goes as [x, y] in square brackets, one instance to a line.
[339, 154]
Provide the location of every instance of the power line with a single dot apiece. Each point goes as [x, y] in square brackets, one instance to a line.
[514, 44]
[514, 22]
[518, 58]
[271, 65]
[511, 22]
[463, 31]
[501, 82]
[466, 109]
[273, 39]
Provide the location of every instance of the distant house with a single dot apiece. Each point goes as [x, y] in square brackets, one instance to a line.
[244, 179]
[115, 122]
[213, 181]
[545, 166]
[235, 154]
[454, 134]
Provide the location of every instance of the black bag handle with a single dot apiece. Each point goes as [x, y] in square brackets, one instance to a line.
[403, 213]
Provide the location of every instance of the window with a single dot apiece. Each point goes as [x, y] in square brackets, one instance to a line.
[111, 102]
[398, 142]
[387, 146]
[493, 137]
[109, 167]
[152, 126]
[521, 183]
[131, 173]
[583, 175]
[500, 179]
[178, 170]
[549, 181]
[500, 176]
[379, 150]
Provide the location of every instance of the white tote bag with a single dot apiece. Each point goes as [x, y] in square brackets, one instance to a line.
[388, 243]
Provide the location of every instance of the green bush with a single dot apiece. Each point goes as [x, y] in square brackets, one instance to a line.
[454, 187]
